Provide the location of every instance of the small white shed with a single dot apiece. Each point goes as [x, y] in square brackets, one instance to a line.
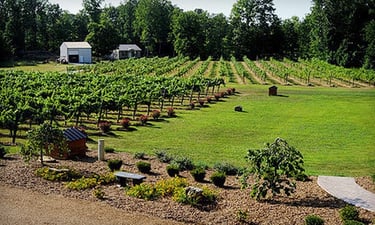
[125, 51]
[75, 52]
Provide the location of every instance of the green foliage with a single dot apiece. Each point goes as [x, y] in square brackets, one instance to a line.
[353, 222]
[140, 155]
[3, 151]
[226, 168]
[168, 187]
[114, 164]
[242, 216]
[108, 178]
[198, 174]
[43, 140]
[349, 212]
[207, 197]
[52, 174]
[144, 167]
[173, 170]
[273, 168]
[82, 183]
[109, 150]
[218, 178]
[163, 156]
[98, 193]
[183, 163]
[143, 191]
[313, 220]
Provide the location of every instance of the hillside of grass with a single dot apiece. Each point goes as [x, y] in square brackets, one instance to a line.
[332, 128]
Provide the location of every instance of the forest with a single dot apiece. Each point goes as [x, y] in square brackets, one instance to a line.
[340, 32]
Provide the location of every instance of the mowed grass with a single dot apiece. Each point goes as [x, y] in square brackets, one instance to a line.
[38, 67]
[333, 128]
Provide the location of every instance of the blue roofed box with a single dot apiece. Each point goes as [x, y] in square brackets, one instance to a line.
[76, 141]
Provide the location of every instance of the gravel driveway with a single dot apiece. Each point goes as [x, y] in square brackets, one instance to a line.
[20, 206]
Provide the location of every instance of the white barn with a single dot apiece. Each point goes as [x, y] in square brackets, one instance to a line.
[125, 51]
[76, 52]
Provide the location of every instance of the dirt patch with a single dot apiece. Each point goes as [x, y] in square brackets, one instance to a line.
[309, 198]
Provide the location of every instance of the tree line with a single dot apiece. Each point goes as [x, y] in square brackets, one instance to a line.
[340, 32]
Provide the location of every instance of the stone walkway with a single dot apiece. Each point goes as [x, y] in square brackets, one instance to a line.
[345, 188]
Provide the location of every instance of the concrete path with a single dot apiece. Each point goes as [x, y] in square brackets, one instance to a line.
[345, 188]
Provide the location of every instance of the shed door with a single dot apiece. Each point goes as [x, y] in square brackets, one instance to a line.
[73, 58]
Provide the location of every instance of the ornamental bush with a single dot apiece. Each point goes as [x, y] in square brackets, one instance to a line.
[218, 178]
[273, 167]
[313, 220]
[143, 167]
[198, 174]
[114, 164]
[226, 168]
[173, 170]
[183, 163]
[349, 212]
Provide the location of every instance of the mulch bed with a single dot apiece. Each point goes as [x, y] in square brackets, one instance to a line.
[308, 199]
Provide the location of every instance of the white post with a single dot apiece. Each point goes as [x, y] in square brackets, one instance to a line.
[101, 149]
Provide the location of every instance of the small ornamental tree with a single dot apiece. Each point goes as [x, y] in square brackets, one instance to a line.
[43, 140]
[273, 167]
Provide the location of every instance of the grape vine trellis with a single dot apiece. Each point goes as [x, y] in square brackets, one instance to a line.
[32, 97]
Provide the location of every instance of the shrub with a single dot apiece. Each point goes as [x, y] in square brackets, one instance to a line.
[108, 178]
[156, 114]
[349, 212]
[143, 191]
[144, 167]
[226, 168]
[195, 196]
[201, 102]
[242, 216]
[218, 178]
[183, 163]
[169, 186]
[173, 170]
[98, 193]
[140, 155]
[3, 151]
[198, 174]
[114, 164]
[171, 112]
[125, 122]
[313, 220]
[217, 96]
[163, 157]
[57, 174]
[273, 167]
[109, 150]
[191, 105]
[105, 126]
[208, 99]
[82, 183]
[353, 222]
[143, 119]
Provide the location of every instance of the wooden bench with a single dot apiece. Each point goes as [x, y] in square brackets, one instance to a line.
[123, 176]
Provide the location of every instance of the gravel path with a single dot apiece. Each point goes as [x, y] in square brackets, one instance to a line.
[20, 206]
[345, 188]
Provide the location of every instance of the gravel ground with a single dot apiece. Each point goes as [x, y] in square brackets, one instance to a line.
[19, 177]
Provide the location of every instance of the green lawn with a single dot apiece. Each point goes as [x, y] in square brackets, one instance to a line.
[333, 127]
[38, 67]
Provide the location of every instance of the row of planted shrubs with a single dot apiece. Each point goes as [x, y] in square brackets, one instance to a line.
[74, 179]
[105, 126]
[349, 215]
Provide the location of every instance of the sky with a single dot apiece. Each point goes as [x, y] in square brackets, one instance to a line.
[284, 8]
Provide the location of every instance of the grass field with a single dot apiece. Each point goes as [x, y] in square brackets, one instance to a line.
[333, 128]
